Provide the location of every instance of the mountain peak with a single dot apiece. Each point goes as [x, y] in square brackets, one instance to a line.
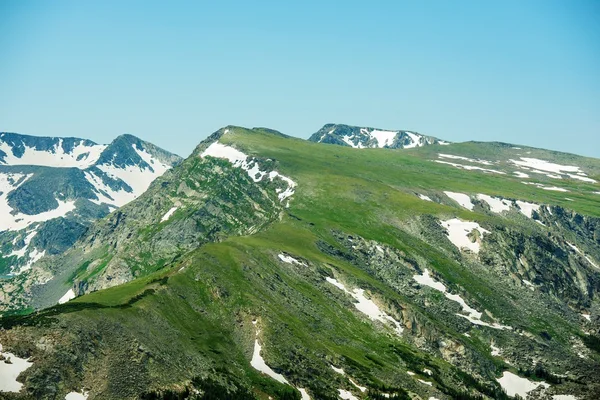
[367, 137]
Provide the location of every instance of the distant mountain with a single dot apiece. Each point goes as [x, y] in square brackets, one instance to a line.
[360, 137]
[52, 188]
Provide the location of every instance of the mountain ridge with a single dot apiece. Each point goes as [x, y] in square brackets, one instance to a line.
[383, 270]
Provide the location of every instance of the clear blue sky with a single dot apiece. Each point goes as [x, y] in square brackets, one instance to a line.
[172, 72]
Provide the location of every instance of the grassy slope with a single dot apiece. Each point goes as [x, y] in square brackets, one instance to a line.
[197, 320]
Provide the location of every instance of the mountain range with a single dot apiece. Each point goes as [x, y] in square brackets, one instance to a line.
[52, 189]
[361, 263]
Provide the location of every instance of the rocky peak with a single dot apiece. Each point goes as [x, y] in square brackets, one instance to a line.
[365, 137]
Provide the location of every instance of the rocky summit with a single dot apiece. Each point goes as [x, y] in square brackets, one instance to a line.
[391, 265]
[360, 137]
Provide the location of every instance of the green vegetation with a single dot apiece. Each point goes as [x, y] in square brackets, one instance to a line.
[203, 285]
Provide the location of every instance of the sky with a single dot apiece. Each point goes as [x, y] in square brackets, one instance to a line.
[172, 72]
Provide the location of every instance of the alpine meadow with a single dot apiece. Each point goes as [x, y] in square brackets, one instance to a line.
[300, 200]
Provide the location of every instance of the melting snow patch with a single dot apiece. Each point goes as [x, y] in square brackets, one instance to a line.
[80, 156]
[527, 209]
[77, 396]
[10, 372]
[425, 382]
[383, 138]
[289, 259]
[240, 160]
[495, 350]
[136, 177]
[258, 363]
[427, 371]
[427, 280]
[423, 197]
[545, 165]
[415, 140]
[497, 205]
[459, 231]
[473, 315]
[26, 240]
[521, 174]
[541, 186]
[470, 167]
[514, 384]
[16, 221]
[461, 198]
[304, 394]
[367, 306]
[361, 388]
[587, 316]
[584, 256]
[168, 214]
[70, 295]
[346, 395]
[484, 162]
[564, 397]
[338, 370]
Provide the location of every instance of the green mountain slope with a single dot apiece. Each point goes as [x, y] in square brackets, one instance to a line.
[328, 258]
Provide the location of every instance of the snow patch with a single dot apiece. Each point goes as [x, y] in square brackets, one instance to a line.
[495, 350]
[346, 395]
[423, 197]
[383, 138]
[361, 388]
[547, 166]
[497, 205]
[258, 363]
[70, 295]
[18, 221]
[168, 214]
[289, 259]
[240, 160]
[81, 156]
[21, 252]
[458, 233]
[136, 177]
[367, 306]
[527, 209]
[303, 394]
[472, 315]
[415, 139]
[77, 396]
[10, 372]
[514, 384]
[338, 370]
[521, 174]
[470, 167]
[542, 186]
[461, 198]
[587, 316]
[453, 157]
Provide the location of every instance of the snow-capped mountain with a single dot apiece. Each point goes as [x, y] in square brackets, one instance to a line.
[360, 137]
[51, 188]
